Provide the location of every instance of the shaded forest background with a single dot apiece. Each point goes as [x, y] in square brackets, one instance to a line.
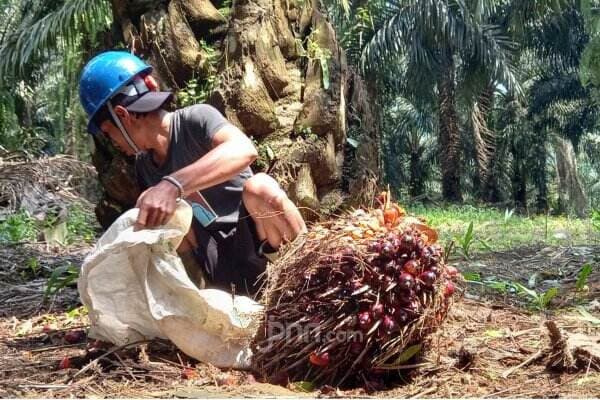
[476, 102]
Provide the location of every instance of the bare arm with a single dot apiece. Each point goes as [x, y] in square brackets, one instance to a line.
[232, 152]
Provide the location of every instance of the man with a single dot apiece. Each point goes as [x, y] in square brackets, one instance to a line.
[197, 155]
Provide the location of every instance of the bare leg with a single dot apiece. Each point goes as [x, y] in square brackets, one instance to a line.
[189, 242]
[186, 252]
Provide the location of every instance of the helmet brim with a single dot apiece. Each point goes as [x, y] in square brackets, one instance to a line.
[148, 102]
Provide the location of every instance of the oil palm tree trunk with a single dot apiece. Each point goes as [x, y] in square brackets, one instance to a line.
[484, 140]
[540, 154]
[269, 86]
[450, 148]
[519, 180]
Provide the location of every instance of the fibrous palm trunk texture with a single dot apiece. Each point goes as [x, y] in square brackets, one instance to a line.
[282, 78]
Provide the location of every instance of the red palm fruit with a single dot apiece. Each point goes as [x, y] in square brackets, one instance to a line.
[189, 373]
[449, 289]
[375, 247]
[401, 316]
[372, 277]
[406, 281]
[319, 359]
[65, 363]
[419, 245]
[377, 310]
[355, 284]
[348, 255]
[387, 250]
[326, 260]
[390, 215]
[356, 347]
[383, 335]
[406, 296]
[364, 320]
[411, 266]
[347, 270]
[388, 323]
[429, 255]
[390, 236]
[408, 243]
[435, 269]
[73, 337]
[390, 267]
[451, 271]
[352, 322]
[428, 278]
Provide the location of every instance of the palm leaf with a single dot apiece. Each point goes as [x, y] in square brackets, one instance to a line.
[38, 38]
[422, 31]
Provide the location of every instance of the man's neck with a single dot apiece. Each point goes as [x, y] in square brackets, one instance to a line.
[161, 141]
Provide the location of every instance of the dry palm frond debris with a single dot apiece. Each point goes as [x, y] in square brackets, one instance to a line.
[354, 301]
[62, 175]
[573, 352]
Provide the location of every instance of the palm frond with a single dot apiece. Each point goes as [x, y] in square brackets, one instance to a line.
[425, 30]
[41, 37]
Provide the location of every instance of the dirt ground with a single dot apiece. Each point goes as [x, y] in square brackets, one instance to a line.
[487, 347]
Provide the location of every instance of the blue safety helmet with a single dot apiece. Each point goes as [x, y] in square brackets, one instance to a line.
[112, 73]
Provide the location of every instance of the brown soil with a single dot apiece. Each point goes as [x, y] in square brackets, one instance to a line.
[478, 352]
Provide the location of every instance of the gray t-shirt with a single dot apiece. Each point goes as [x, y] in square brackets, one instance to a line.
[192, 130]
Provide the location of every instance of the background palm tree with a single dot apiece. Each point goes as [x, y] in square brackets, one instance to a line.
[429, 41]
[42, 47]
[481, 100]
[411, 139]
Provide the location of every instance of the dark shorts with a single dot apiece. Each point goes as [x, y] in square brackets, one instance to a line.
[231, 256]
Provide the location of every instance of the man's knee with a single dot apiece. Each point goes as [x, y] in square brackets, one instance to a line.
[266, 188]
[188, 243]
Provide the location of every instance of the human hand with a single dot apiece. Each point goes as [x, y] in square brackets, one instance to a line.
[157, 204]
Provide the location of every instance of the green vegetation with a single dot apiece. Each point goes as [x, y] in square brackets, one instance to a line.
[198, 90]
[490, 101]
[18, 227]
[311, 49]
[42, 46]
[81, 225]
[596, 219]
[583, 276]
[492, 230]
[21, 227]
[536, 300]
[539, 301]
[60, 278]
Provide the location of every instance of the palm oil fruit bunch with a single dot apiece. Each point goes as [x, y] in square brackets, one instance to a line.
[345, 312]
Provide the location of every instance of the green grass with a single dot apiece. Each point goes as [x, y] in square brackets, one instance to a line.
[18, 227]
[21, 227]
[500, 230]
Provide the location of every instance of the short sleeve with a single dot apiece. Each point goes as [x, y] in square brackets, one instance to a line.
[204, 121]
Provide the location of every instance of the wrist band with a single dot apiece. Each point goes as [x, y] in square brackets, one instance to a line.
[175, 183]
